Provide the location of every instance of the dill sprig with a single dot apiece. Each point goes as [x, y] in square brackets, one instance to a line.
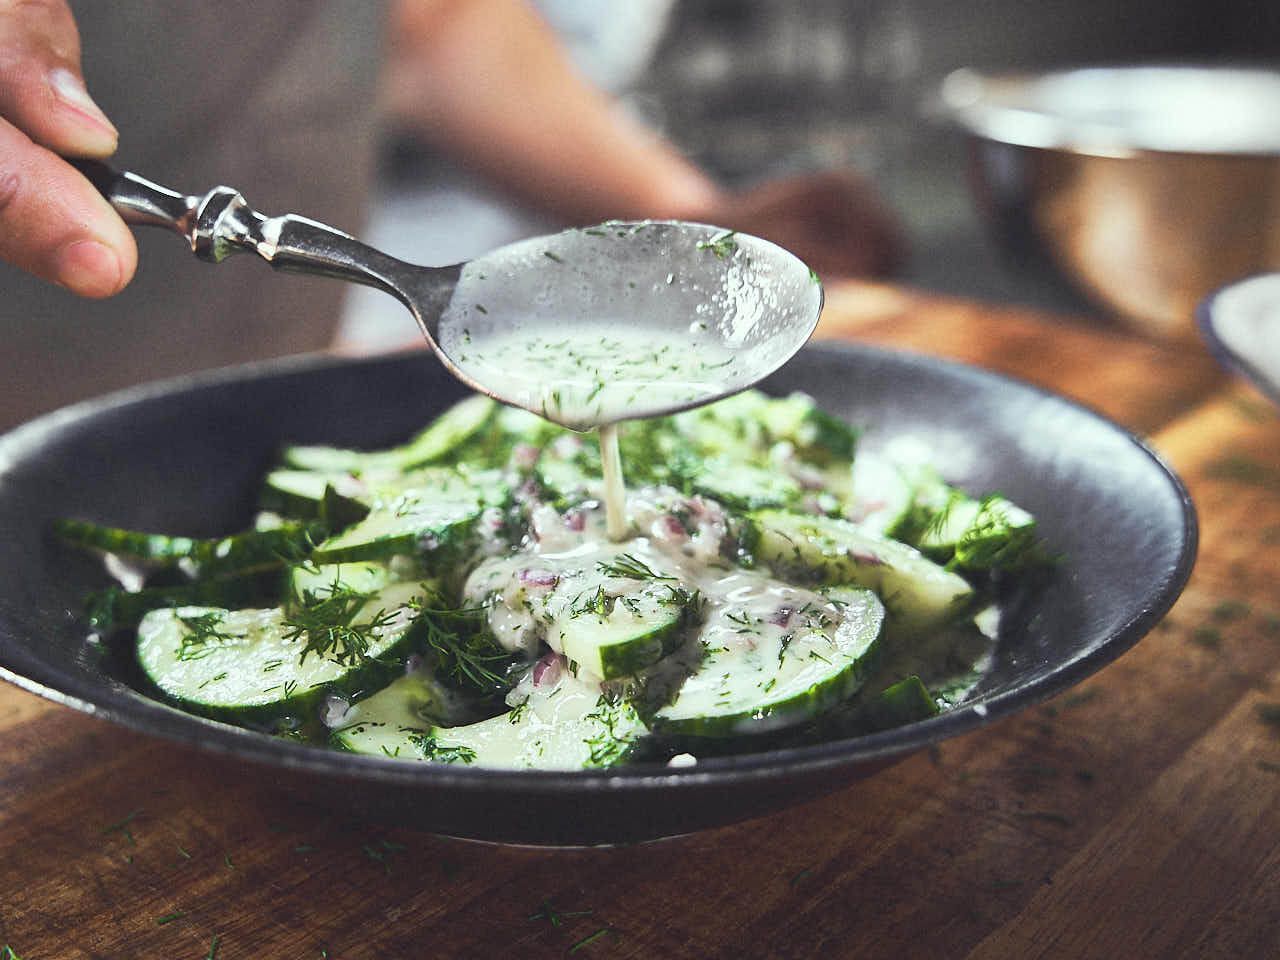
[201, 630]
[325, 620]
[594, 601]
[463, 653]
[606, 746]
[433, 751]
[722, 244]
[630, 567]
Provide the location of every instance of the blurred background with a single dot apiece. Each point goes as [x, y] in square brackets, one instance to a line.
[752, 89]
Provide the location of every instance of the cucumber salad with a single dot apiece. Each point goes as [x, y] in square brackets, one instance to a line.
[459, 599]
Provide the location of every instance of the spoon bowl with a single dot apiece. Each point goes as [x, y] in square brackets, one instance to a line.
[585, 327]
[625, 320]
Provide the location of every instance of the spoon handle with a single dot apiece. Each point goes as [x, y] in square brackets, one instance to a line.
[221, 223]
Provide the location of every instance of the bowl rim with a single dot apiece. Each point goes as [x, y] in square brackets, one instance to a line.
[969, 97]
[135, 711]
[1206, 314]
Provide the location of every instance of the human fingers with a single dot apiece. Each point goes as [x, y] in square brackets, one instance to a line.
[55, 225]
[42, 92]
[835, 221]
[52, 222]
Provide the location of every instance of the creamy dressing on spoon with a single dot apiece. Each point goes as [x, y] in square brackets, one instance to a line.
[592, 377]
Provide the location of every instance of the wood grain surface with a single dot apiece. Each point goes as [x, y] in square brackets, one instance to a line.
[1134, 816]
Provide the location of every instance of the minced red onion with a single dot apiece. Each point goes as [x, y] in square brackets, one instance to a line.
[547, 669]
[538, 578]
[782, 616]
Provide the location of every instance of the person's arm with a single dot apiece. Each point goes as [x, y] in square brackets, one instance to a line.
[487, 82]
[52, 222]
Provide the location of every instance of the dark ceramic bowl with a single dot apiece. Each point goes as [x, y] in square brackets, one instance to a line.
[186, 457]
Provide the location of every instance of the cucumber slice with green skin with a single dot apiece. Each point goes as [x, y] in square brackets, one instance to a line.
[148, 548]
[635, 630]
[382, 724]
[115, 608]
[988, 534]
[743, 486]
[816, 435]
[918, 593]
[240, 553]
[880, 495]
[567, 726]
[437, 513]
[361, 577]
[758, 676]
[242, 665]
[611, 613]
[337, 498]
[906, 701]
[437, 442]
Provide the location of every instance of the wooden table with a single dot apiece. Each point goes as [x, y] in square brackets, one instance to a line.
[1135, 816]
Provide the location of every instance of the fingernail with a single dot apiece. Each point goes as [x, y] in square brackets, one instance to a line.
[89, 268]
[70, 89]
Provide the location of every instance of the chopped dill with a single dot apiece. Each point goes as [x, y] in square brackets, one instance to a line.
[465, 654]
[433, 751]
[597, 602]
[556, 917]
[201, 630]
[629, 567]
[589, 939]
[722, 244]
[325, 620]
[518, 711]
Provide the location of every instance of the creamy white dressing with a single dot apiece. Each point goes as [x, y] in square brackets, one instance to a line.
[593, 376]
[531, 594]
[587, 376]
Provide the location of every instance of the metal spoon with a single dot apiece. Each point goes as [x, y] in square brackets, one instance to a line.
[697, 286]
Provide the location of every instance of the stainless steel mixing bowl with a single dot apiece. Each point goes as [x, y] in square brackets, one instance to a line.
[1146, 186]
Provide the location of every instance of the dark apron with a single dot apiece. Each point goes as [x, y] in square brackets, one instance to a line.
[275, 99]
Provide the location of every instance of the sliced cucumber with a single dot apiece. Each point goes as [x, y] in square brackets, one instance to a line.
[741, 485]
[988, 534]
[452, 428]
[384, 722]
[906, 701]
[244, 665]
[609, 612]
[361, 577]
[919, 594]
[819, 437]
[239, 553]
[147, 548]
[880, 495]
[437, 512]
[753, 679]
[571, 726]
[337, 498]
[624, 635]
[115, 608]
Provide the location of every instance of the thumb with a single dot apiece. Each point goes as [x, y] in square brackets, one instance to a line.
[42, 91]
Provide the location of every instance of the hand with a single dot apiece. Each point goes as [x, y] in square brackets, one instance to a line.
[52, 222]
[833, 221]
